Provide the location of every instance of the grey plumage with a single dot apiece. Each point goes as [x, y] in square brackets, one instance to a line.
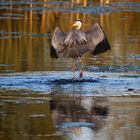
[75, 43]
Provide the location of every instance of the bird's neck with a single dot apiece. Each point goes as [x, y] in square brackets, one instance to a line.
[78, 27]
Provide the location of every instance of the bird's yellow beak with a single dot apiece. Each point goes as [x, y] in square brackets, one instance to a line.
[74, 25]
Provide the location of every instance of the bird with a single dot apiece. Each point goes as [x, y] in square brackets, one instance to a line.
[76, 43]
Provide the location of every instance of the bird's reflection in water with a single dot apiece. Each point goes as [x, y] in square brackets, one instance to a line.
[79, 116]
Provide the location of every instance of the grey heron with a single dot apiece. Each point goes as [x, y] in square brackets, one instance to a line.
[76, 43]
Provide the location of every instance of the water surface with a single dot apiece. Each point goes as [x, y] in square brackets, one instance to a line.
[68, 117]
[38, 98]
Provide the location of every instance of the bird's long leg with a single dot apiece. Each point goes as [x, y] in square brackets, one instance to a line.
[74, 68]
[81, 67]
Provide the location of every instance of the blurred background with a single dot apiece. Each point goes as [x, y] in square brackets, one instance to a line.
[26, 27]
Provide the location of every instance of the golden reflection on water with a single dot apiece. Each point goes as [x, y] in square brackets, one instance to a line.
[25, 36]
[111, 118]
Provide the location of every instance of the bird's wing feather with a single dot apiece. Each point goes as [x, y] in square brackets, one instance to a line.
[58, 40]
[76, 44]
[97, 40]
[74, 38]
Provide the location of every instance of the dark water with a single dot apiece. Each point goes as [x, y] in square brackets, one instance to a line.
[37, 105]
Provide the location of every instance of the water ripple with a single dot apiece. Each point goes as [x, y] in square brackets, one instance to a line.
[54, 83]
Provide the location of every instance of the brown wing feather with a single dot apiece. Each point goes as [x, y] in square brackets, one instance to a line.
[76, 43]
[97, 40]
[58, 40]
[72, 44]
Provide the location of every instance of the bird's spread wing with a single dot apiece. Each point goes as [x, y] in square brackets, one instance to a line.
[72, 44]
[75, 43]
[97, 40]
[57, 42]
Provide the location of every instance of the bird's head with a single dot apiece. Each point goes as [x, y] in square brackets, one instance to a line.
[77, 24]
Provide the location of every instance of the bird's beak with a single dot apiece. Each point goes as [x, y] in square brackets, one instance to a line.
[74, 25]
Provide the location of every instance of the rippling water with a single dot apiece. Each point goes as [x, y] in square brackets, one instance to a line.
[33, 116]
[50, 105]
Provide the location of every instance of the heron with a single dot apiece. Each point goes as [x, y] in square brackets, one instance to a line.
[76, 43]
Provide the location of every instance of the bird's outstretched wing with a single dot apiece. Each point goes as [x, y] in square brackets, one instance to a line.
[75, 43]
[57, 42]
[97, 40]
